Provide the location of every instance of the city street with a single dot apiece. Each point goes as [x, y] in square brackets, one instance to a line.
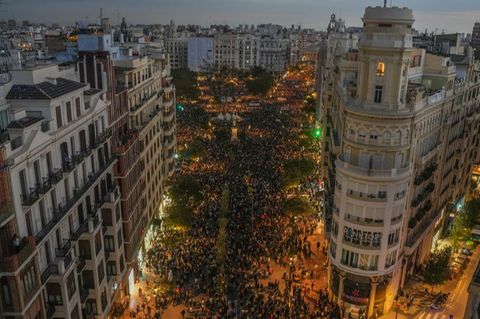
[254, 244]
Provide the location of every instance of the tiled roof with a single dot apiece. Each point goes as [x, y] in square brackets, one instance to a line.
[44, 90]
[24, 122]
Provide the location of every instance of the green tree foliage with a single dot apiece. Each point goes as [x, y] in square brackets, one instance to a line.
[464, 222]
[185, 83]
[193, 150]
[296, 170]
[178, 214]
[437, 269]
[259, 81]
[298, 206]
[185, 190]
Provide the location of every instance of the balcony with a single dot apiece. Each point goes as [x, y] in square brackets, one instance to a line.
[56, 176]
[14, 262]
[102, 137]
[58, 268]
[48, 272]
[143, 102]
[125, 142]
[418, 227]
[65, 250]
[168, 115]
[112, 195]
[30, 198]
[81, 264]
[381, 196]
[360, 171]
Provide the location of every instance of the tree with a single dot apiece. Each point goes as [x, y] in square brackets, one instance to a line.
[185, 83]
[193, 150]
[298, 206]
[259, 81]
[185, 189]
[437, 269]
[296, 170]
[464, 222]
[179, 215]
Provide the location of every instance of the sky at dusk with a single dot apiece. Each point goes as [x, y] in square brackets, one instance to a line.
[450, 16]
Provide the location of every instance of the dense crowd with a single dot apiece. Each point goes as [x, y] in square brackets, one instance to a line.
[258, 231]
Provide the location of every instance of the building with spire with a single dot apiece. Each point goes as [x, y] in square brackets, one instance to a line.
[400, 142]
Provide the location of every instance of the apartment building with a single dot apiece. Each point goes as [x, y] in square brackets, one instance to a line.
[177, 50]
[401, 139]
[475, 42]
[146, 150]
[274, 54]
[200, 53]
[89, 148]
[61, 172]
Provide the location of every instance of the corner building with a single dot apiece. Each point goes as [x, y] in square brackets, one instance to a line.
[396, 117]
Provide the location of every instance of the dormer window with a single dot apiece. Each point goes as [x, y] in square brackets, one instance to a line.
[380, 69]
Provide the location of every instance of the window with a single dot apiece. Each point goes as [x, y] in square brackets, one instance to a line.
[333, 249]
[78, 107]
[111, 268]
[69, 112]
[28, 279]
[101, 272]
[109, 243]
[378, 93]
[58, 114]
[71, 285]
[122, 263]
[373, 137]
[54, 293]
[361, 135]
[91, 306]
[119, 237]
[391, 259]
[7, 298]
[380, 69]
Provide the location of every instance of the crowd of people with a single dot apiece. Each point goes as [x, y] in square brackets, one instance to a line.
[258, 233]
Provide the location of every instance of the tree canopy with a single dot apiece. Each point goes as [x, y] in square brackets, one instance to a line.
[437, 269]
[464, 222]
[295, 170]
[259, 81]
[298, 206]
[185, 83]
[185, 189]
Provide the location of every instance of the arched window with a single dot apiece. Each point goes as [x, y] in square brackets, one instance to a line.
[386, 138]
[361, 135]
[380, 69]
[373, 137]
[398, 137]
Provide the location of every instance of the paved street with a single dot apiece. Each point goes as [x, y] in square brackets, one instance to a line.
[456, 302]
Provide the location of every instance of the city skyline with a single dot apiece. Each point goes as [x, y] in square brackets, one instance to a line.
[429, 14]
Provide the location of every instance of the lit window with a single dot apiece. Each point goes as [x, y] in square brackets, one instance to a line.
[380, 69]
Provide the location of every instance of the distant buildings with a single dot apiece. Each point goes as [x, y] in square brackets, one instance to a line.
[200, 53]
[475, 42]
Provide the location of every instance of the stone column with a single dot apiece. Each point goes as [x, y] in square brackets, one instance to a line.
[371, 301]
[341, 276]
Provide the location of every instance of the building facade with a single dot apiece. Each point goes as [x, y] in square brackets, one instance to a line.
[401, 139]
[88, 150]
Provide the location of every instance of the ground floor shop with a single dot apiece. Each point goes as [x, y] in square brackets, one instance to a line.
[363, 296]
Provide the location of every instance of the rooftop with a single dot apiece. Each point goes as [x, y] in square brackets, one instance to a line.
[44, 90]
[24, 122]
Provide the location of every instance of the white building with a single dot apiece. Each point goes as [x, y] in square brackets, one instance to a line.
[200, 53]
